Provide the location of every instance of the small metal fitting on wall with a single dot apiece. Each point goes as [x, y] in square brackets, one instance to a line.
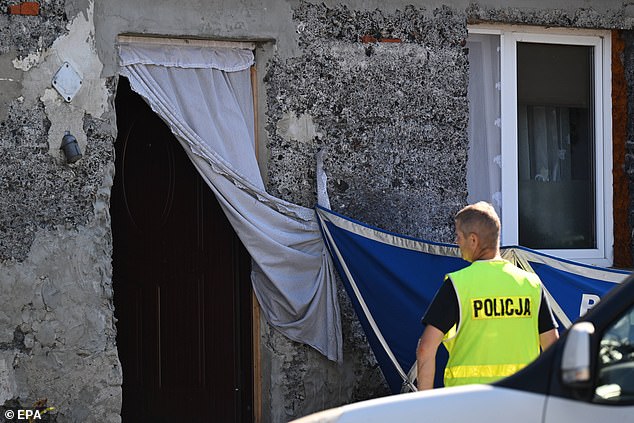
[70, 147]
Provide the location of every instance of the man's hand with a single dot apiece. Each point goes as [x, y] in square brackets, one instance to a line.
[548, 338]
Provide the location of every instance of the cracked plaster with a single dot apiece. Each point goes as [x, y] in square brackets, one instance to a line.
[57, 335]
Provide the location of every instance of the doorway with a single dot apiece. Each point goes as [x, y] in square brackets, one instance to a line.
[182, 290]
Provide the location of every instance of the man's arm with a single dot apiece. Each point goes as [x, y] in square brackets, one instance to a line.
[548, 338]
[548, 332]
[426, 357]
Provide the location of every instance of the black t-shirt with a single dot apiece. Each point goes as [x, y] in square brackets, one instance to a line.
[444, 311]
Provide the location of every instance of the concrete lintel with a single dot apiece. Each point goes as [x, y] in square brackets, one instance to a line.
[176, 41]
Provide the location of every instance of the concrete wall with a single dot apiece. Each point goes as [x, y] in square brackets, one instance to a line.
[57, 336]
[391, 117]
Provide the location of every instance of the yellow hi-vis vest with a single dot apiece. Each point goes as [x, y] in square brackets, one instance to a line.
[498, 330]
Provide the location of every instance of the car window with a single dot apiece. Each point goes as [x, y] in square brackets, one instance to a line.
[615, 376]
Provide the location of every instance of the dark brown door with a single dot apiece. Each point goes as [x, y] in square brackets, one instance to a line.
[181, 282]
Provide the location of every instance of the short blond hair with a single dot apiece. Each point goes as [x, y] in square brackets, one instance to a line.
[480, 218]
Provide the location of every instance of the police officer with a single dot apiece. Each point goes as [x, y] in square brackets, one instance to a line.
[492, 316]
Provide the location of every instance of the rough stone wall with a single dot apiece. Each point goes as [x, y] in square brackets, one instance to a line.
[57, 335]
[628, 63]
[392, 118]
[595, 16]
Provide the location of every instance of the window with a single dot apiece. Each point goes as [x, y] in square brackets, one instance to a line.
[616, 363]
[540, 137]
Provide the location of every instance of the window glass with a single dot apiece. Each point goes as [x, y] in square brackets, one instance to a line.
[616, 362]
[555, 146]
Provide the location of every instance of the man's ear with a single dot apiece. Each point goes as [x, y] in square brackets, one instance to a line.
[474, 239]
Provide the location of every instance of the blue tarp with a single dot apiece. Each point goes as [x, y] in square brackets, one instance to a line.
[391, 280]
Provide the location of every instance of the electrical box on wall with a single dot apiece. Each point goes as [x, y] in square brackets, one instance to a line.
[67, 82]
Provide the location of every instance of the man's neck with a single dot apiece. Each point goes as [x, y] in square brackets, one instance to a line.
[488, 254]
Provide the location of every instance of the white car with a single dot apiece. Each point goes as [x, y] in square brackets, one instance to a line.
[586, 377]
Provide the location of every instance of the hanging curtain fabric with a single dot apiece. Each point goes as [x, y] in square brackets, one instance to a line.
[204, 95]
[484, 172]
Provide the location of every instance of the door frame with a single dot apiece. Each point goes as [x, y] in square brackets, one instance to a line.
[255, 312]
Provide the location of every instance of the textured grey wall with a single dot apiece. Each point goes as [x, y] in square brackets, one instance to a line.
[391, 117]
[57, 335]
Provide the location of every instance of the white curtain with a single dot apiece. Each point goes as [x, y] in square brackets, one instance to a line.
[544, 143]
[204, 95]
[484, 177]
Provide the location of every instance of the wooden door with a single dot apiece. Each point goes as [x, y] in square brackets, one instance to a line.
[181, 282]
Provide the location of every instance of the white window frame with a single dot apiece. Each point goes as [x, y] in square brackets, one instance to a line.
[603, 255]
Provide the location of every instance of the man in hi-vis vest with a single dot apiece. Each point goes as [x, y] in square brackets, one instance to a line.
[492, 316]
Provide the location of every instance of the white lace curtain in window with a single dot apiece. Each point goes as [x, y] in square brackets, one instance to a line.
[484, 178]
[544, 143]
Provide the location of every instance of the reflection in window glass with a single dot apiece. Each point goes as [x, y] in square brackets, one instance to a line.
[555, 146]
[616, 362]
